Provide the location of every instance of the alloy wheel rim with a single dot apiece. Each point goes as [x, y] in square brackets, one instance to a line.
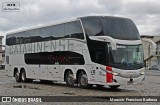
[70, 80]
[17, 75]
[84, 79]
[23, 76]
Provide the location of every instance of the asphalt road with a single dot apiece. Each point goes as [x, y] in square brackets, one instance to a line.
[9, 87]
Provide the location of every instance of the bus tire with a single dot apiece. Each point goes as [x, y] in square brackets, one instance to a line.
[83, 80]
[23, 77]
[17, 76]
[69, 78]
[114, 87]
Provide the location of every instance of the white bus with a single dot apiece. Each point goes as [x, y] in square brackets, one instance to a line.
[92, 50]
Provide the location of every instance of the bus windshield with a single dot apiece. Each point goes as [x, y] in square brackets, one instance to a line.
[118, 28]
[126, 57]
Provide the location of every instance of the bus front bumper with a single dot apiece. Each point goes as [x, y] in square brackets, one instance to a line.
[117, 80]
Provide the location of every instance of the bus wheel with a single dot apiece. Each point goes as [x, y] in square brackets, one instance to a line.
[69, 78]
[83, 80]
[23, 76]
[17, 76]
[114, 87]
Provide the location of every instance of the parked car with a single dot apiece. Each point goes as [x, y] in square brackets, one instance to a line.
[154, 67]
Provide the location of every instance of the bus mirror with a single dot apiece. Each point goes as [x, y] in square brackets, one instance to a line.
[105, 39]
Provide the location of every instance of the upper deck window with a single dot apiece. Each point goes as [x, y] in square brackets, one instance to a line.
[74, 30]
[118, 28]
[71, 29]
[93, 27]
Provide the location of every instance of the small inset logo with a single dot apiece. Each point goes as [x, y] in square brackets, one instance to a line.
[10, 6]
[6, 99]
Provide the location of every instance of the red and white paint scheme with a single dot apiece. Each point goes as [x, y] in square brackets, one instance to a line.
[92, 50]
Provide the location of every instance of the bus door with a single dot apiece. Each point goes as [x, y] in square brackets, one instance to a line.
[101, 59]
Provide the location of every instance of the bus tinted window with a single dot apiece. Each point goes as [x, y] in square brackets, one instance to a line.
[98, 51]
[118, 28]
[74, 30]
[54, 32]
[92, 27]
[57, 57]
[58, 31]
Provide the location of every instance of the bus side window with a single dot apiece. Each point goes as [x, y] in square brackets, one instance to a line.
[74, 30]
[92, 27]
[100, 56]
[7, 59]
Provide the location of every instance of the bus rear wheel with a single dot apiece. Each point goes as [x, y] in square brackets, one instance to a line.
[17, 76]
[83, 80]
[23, 77]
[69, 78]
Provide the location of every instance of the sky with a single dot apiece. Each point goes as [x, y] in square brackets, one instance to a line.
[145, 13]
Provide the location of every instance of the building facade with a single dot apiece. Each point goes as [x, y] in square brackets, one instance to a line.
[150, 58]
[1, 51]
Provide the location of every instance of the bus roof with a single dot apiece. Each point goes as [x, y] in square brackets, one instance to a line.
[86, 17]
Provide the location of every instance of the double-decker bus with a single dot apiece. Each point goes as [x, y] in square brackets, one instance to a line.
[91, 50]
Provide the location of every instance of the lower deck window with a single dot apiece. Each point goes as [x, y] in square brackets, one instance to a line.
[57, 57]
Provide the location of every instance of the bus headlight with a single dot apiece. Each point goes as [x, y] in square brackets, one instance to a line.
[142, 73]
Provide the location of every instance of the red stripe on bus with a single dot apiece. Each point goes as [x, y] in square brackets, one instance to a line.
[109, 77]
[108, 68]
